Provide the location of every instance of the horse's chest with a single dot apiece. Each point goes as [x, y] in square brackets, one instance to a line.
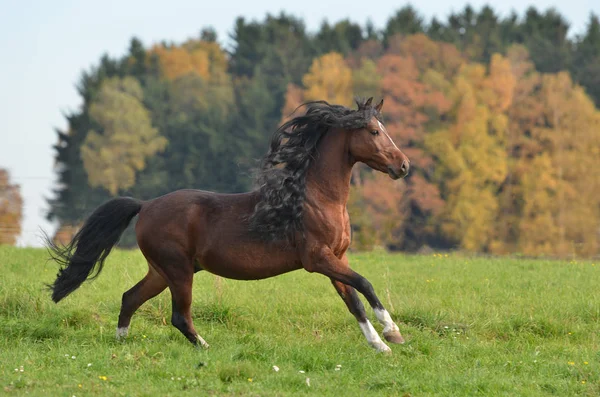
[344, 242]
[340, 235]
[329, 226]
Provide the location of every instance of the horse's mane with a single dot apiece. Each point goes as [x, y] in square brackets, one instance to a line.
[282, 175]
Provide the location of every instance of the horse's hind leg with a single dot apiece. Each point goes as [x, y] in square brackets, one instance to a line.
[177, 270]
[150, 286]
[181, 292]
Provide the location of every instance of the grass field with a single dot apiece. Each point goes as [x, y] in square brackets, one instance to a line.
[474, 326]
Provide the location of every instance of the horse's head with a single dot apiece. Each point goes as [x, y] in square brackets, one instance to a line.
[373, 146]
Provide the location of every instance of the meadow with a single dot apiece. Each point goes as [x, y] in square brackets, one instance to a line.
[474, 326]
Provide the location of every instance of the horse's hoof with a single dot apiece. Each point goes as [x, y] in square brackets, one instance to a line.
[393, 337]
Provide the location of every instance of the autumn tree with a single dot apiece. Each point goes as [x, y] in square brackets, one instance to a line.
[414, 74]
[471, 155]
[118, 149]
[561, 212]
[329, 79]
[11, 210]
[378, 212]
[521, 147]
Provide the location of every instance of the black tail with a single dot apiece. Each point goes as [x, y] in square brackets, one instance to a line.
[91, 245]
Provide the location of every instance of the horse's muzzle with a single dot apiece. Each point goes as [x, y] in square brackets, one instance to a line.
[400, 172]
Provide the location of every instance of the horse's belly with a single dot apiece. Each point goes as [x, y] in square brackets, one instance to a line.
[248, 262]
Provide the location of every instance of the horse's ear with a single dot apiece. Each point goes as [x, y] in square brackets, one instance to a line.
[379, 106]
[368, 103]
[357, 102]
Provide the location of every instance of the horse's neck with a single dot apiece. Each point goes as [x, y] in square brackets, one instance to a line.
[330, 172]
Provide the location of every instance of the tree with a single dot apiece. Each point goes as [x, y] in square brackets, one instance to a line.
[114, 152]
[343, 37]
[472, 160]
[266, 58]
[415, 90]
[563, 204]
[521, 148]
[586, 65]
[546, 38]
[377, 210]
[177, 61]
[329, 79]
[11, 210]
[366, 80]
[406, 21]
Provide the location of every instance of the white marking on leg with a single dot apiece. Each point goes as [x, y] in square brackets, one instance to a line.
[386, 320]
[373, 337]
[122, 332]
[202, 342]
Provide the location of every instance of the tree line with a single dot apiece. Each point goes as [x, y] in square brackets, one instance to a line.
[498, 115]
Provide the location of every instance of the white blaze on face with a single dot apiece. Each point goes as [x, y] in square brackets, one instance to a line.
[373, 337]
[382, 129]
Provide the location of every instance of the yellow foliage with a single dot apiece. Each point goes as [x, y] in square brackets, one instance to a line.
[561, 195]
[472, 155]
[114, 154]
[329, 79]
[205, 59]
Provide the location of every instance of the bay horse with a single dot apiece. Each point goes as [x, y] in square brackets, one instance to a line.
[296, 218]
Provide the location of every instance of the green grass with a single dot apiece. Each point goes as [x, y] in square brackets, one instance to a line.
[474, 326]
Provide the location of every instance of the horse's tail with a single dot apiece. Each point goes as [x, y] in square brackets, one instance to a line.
[91, 245]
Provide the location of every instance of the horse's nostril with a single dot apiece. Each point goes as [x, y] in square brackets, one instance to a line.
[405, 166]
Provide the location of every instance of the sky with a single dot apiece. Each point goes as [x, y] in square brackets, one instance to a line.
[45, 46]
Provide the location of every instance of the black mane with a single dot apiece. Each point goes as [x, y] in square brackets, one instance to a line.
[282, 174]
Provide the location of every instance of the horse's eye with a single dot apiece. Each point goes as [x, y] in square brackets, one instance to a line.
[375, 132]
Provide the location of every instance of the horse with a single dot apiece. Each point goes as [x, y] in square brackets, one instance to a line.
[296, 218]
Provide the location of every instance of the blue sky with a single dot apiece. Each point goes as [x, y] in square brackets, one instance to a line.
[45, 45]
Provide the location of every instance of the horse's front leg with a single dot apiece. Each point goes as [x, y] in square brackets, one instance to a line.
[350, 297]
[325, 262]
[391, 332]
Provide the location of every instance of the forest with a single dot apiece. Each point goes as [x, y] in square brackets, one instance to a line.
[499, 116]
